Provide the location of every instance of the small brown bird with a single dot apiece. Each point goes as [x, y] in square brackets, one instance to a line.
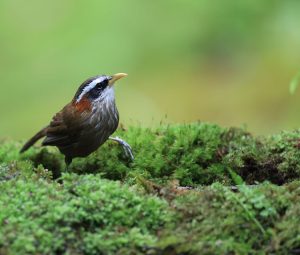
[84, 124]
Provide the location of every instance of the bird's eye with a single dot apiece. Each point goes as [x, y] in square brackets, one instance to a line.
[102, 85]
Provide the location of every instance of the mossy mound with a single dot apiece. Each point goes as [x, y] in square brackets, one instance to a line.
[90, 215]
[194, 154]
[85, 215]
[138, 207]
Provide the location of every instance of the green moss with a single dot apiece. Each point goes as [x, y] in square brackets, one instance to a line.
[216, 220]
[84, 213]
[90, 215]
[198, 153]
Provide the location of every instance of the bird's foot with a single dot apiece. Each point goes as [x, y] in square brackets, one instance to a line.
[126, 147]
[68, 162]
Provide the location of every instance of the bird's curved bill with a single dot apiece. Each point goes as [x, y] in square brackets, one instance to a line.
[116, 77]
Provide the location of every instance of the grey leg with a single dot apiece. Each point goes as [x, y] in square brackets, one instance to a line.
[126, 147]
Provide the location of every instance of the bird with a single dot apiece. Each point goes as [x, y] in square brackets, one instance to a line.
[85, 123]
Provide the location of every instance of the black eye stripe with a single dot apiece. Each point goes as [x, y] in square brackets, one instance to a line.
[102, 84]
[98, 89]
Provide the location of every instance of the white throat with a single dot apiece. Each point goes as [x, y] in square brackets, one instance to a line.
[107, 97]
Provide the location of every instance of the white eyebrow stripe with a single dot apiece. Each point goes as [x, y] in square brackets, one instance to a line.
[89, 87]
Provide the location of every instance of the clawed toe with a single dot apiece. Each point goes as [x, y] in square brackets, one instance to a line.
[126, 147]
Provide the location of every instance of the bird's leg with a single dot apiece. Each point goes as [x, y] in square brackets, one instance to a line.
[68, 162]
[126, 147]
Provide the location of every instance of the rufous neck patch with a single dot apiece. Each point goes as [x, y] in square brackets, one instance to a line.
[83, 105]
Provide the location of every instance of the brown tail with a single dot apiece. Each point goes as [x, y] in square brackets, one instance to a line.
[34, 139]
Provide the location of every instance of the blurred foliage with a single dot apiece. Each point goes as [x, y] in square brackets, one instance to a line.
[228, 62]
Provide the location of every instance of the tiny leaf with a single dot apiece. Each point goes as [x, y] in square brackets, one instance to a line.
[238, 180]
[294, 83]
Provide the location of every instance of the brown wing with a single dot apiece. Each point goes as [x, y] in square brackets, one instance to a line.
[63, 131]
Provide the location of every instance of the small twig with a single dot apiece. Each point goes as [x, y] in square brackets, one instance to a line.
[234, 188]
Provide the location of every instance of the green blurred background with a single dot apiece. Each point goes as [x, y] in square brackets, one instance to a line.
[223, 61]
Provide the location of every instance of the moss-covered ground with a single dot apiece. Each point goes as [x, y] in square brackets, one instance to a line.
[192, 189]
